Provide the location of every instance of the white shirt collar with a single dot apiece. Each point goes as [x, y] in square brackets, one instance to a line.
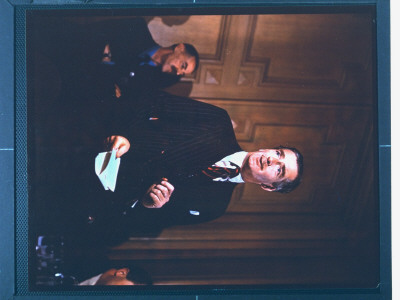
[91, 281]
[236, 158]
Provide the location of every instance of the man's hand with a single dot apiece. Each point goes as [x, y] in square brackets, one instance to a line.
[106, 54]
[118, 143]
[158, 194]
[117, 91]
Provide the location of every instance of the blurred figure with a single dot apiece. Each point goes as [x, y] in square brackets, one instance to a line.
[122, 276]
[58, 262]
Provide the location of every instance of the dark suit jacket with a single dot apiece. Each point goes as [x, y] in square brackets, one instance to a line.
[183, 137]
[77, 50]
[187, 137]
[128, 39]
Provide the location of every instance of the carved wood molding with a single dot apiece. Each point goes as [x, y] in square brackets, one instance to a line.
[351, 72]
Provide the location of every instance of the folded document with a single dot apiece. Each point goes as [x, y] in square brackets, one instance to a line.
[106, 167]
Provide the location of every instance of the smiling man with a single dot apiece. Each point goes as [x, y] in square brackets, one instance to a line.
[110, 59]
[131, 61]
[179, 59]
[125, 59]
[154, 67]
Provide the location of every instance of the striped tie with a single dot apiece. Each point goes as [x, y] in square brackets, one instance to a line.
[221, 172]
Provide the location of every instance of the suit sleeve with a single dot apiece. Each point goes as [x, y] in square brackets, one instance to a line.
[186, 136]
[156, 115]
[198, 204]
[190, 205]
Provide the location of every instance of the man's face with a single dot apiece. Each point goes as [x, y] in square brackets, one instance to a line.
[268, 166]
[179, 62]
[114, 277]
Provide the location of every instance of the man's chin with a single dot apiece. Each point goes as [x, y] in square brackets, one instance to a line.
[253, 161]
[169, 71]
[172, 70]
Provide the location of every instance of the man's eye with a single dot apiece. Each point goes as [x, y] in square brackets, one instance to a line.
[278, 153]
[279, 170]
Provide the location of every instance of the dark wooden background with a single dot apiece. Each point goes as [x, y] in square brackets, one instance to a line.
[303, 80]
[299, 80]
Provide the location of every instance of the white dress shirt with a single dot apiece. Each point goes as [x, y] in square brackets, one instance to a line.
[236, 158]
[91, 281]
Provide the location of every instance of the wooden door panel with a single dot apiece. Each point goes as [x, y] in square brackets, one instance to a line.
[296, 80]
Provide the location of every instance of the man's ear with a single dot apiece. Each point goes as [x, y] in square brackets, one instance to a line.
[268, 188]
[180, 47]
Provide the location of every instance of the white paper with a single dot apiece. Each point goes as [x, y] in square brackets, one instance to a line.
[106, 167]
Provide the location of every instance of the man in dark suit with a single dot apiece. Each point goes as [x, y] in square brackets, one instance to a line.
[167, 145]
[109, 59]
[134, 59]
[131, 60]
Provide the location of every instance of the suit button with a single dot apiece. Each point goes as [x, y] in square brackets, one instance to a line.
[131, 74]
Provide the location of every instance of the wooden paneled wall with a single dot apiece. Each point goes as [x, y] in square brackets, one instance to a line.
[299, 80]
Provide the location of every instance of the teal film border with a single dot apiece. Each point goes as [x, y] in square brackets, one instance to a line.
[7, 152]
[21, 187]
[21, 181]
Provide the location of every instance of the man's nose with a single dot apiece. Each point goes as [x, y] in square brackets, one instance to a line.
[272, 161]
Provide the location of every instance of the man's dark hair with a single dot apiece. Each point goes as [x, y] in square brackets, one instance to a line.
[191, 51]
[139, 276]
[286, 186]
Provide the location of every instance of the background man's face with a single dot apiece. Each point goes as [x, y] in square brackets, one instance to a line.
[179, 62]
[115, 277]
[267, 166]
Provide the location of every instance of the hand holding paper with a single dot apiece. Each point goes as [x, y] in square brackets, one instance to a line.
[119, 143]
[106, 168]
[107, 163]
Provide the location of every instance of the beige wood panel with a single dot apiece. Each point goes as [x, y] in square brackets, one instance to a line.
[291, 58]
[304, 48]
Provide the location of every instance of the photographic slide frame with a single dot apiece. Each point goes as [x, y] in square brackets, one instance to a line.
[14, 214]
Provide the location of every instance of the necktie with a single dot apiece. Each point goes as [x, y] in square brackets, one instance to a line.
[221, 172]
